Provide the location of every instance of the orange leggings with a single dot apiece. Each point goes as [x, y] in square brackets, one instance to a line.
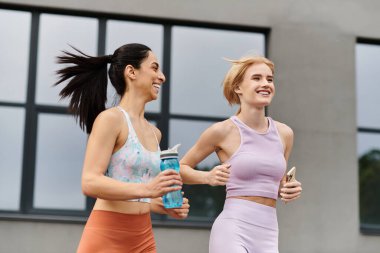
[113, 232]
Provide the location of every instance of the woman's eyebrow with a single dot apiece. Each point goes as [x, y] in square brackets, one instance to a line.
[260, 75]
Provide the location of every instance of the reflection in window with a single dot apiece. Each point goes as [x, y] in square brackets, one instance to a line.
[369, 165]
[369, 178]
[12, 138]
[57, 33]
[60, 152]
[123, 32]
[206, 201]
[14, 52]
[198, 67]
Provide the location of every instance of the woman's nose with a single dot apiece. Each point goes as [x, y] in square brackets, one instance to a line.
[161, 76]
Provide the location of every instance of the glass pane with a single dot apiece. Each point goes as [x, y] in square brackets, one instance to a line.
[367, 142]
[369, 178]
[122, 32]
[367, 85]
[14, 51]
[56, 34]
[12, 139]
[206, 201]
[198, 68]
[60, 152]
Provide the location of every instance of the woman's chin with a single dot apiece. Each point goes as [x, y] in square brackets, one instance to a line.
[153, 97]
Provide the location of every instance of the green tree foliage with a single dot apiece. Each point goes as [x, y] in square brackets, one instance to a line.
[369, 174]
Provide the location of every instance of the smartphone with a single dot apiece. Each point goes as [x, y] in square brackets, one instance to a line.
[291, 175]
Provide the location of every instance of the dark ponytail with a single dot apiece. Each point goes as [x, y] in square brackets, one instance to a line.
[88, 87]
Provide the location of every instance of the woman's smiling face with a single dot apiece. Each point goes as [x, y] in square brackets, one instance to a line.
[257, 87]
[149, 77]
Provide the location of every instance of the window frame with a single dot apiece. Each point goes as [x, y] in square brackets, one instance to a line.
[32, 109]
[367, 229]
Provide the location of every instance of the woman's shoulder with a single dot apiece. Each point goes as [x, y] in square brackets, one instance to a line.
[110, 119]
[283, 129]
[112, 114]
[215, 133]
[222, 128]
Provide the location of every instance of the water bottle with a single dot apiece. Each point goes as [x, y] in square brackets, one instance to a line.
[169, 160]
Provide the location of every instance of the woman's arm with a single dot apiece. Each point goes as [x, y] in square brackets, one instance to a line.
[101, 142]
[292, 190]
[206, 144]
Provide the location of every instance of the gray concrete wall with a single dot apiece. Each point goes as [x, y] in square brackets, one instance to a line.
[33, 237]
[43, 237]
[313, 46]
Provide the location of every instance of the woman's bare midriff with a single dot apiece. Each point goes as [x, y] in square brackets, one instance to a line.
[260, 200]
[127, 207]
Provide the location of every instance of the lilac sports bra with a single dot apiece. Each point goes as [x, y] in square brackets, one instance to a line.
[132, 163]
[258, 165]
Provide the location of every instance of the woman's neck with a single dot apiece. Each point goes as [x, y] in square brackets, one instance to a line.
[133, 105]
[253, 117]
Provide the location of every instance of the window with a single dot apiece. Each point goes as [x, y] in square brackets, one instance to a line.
[124, 32]
[57, 33]
[206, 201]
[59, 143]
[368, 147]
[198, 69]
[60, 151]
[42, 149]
[14, 51]
[11, 136]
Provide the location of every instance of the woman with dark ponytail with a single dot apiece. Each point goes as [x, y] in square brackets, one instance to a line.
[122, 162]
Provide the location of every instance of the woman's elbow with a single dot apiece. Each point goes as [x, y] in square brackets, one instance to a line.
[88, 186]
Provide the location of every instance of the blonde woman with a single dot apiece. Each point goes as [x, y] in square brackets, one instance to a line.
[253, 150]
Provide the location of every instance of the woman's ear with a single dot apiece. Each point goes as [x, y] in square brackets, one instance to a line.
[130, 72]
[237, 90]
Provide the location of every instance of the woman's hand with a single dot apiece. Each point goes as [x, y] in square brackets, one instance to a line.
[180, 213]
[219, 175]
[163, 183]
[290, 191]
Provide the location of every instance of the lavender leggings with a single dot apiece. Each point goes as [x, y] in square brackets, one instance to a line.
[245, 226]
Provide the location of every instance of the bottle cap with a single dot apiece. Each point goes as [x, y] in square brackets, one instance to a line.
[172, 152]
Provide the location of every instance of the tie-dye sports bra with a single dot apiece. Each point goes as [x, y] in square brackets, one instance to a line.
[133, 163]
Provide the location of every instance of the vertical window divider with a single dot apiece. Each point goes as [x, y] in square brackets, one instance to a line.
[30, 130]
[165, 99]
[163, 123]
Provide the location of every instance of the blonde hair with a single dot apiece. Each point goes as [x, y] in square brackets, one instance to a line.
[236, 75]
